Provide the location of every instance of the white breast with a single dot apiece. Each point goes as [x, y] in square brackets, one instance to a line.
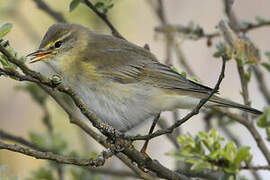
[123, 106]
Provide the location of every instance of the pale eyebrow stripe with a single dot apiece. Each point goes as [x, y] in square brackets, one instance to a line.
[61, 38]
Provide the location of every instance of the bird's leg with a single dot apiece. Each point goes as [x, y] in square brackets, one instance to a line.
[143, 150]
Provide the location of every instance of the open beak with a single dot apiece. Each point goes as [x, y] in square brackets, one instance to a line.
[39, 55]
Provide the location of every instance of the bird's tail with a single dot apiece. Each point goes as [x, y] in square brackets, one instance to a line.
[227, 103]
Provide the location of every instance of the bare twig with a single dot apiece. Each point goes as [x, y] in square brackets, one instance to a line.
[172, 137]
[235, 25]
[189, 115]
[44, 7]
[256, 168]
[7, 136]
[104, 18]
[196, 35]
[254, 26]
[99, 161]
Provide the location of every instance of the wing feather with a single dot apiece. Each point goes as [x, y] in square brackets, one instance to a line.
[127, 63]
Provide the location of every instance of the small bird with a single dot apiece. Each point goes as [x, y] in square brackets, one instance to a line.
[122, 83]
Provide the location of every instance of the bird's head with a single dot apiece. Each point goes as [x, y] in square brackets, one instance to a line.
[61, 44]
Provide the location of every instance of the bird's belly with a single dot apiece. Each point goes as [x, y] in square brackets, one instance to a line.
[121, 106]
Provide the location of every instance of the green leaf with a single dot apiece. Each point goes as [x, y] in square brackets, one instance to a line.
[99, 5]
[214, 155]
[5, 29]
[38, 139]
[73, 5]
[248, 74]
[231, 169]
[174, 69]
[42, 174]
[6, 64]
[264, 120]
[104, 5]
[248, 159]
[200, 165]
[229, 151]
[242, 154]
[213, 133]
[194, 79]
[218, 54]
[268, 133]
[184, 74]
[266, 66]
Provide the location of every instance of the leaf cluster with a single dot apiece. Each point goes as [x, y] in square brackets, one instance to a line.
[206, 152]
[103, 6]
[264, 122]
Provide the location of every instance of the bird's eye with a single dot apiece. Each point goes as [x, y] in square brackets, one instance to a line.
[58, 44]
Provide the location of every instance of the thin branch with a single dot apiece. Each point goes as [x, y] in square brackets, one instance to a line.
[54, 14]
[99, 161]
[230, 14]
[244, 82]
[235, 25]
[196, 35]
[256, 168]
[7, 136]
[189, 115]
[254, 26]
[104, 18]
[172, 137]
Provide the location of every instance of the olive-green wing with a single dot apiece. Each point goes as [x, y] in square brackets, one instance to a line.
[141, 69]
[126, 63]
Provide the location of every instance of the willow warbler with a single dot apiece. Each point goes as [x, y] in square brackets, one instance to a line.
[122, 83]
